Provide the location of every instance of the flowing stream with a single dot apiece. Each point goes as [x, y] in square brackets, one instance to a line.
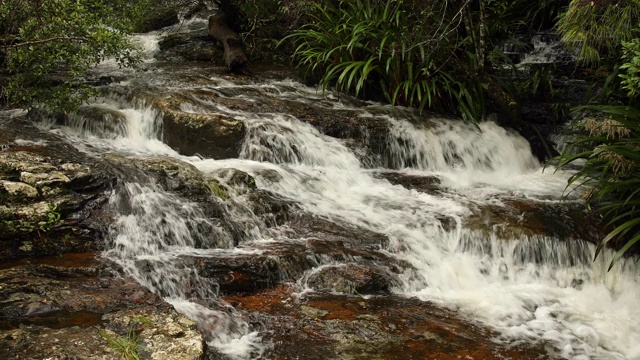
[528, 288]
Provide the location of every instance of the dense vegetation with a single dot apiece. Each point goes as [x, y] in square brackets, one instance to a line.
[445, 56]
[608, 146]
[48, 46]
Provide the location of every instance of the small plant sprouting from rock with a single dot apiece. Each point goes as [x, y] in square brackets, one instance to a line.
[128, 346]
[53, 218]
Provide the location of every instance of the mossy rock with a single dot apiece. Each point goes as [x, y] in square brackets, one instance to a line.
[206, 134]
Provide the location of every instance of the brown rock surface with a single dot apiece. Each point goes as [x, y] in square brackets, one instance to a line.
[387, 327]
[53, 307]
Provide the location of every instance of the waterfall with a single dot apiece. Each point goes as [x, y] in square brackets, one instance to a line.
[531, 287]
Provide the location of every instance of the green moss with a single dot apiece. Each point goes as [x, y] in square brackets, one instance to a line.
[219, 190]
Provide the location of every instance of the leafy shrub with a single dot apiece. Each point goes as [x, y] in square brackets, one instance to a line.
[48, 46]
[631, 68]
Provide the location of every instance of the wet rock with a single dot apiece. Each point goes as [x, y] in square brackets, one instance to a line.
[313, 312]
[241, 273]
[380, 327]
[56, 306]
[171, 174]
[368, 133]
[47, 204]
[268, 264]
[273, 209]
[19, 190]
[517, 218]
[426, 184]
[178, 177]
[313, 227]
[98, 121]
[239, 181]
[207, 134]
[351, 279]
[189, 46]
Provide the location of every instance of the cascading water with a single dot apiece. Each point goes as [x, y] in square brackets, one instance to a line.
[529, 288]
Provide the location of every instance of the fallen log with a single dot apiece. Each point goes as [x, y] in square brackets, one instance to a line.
[234, 56]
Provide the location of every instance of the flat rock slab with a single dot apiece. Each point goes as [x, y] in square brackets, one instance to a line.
[74, 304]
[328, 326]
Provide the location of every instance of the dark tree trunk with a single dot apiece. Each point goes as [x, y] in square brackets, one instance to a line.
[234, 55]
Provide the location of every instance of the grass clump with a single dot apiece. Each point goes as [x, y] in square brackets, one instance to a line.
[128, 346]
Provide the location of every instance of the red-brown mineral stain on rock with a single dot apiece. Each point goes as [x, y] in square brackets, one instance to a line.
[325, 326]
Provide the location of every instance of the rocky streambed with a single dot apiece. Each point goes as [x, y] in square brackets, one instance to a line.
[61, 296]
[186, 213]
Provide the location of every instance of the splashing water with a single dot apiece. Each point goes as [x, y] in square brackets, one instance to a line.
[529, 288]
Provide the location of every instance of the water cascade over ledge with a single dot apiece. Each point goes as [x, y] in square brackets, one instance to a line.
[528, 286]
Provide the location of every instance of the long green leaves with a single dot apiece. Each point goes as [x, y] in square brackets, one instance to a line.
[597, 28]
[367, 47]
[611, 153]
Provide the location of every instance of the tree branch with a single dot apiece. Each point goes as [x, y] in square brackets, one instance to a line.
[57, 38]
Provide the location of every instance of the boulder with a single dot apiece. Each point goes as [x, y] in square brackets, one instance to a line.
[351, 279]
[211, 135]
[188, 46]
[47, 204]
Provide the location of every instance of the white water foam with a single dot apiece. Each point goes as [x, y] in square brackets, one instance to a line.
[529, 289]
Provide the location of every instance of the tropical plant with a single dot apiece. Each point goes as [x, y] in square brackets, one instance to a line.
[610, 151]
[369, 47]
[631, 68]
[598, 27]
[609, 146]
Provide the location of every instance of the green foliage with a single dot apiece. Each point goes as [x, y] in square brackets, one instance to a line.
[149, 15]
[48, 46]
[610, 149]
[598, 27]
[127, 346]
[631, 68]
[53, 219]
[367, 46]
[560, 110]
[539, 82]
[262, 23]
